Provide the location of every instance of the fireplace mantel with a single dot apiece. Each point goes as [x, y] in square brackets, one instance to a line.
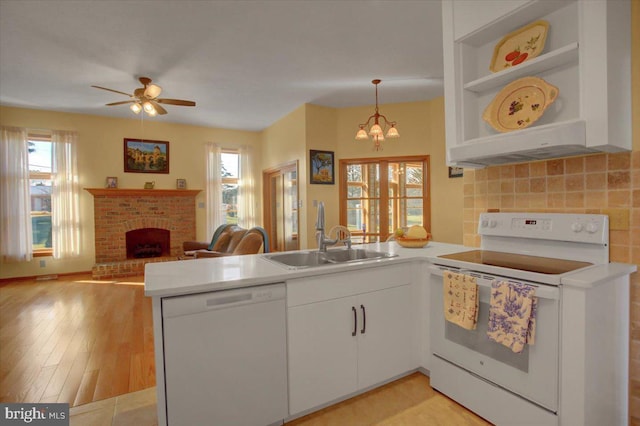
[121, 192]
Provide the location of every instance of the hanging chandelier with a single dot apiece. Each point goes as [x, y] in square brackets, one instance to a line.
[376, 131]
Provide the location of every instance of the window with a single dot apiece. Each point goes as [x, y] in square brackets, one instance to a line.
[380, 195]
[40, 186]
[229, 167]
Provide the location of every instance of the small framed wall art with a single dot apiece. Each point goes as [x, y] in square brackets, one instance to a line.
[146, 156]
[322, 167]
[112, 182]
[181, 184]
[455, 172]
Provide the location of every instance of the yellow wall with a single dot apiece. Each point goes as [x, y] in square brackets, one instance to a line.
[100, 154]
[421, 127]
[284, 142]
[320, 135]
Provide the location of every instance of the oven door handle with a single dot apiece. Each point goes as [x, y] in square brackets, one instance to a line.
[485, 280]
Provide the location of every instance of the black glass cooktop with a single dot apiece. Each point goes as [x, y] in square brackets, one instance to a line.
[542, 265]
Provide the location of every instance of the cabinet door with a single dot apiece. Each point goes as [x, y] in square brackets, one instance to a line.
[384, 348]
[322, 353]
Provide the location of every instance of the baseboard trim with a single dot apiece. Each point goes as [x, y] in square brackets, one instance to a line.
[43, 277]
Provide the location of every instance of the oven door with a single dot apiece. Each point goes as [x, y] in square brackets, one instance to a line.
[532, 374]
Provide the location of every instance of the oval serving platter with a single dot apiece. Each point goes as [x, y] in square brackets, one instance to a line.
[519, 46]
[520, 104]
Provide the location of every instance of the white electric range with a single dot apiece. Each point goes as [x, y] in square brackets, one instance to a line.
[577, 370]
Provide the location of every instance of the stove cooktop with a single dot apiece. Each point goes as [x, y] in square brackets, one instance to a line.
[537, 264]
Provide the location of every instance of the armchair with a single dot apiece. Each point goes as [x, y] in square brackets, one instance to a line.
[229, 240]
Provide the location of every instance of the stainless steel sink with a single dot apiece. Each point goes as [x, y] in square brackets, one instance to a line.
[308, 259]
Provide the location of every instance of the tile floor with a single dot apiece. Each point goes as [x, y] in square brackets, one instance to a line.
[131, 409]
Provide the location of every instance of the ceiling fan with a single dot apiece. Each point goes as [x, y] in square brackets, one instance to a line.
[146, 98]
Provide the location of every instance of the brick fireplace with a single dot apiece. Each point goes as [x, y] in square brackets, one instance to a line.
[154, 223]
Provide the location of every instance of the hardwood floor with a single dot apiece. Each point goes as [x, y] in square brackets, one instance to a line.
[74, 340]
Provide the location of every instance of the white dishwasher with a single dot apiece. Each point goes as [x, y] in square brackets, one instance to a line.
[225, 357]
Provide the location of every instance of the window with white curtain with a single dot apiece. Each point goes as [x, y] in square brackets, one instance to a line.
[229, 175]
[39, 205]
[230, 187]
[40, 188]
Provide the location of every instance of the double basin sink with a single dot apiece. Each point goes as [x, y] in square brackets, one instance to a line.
[308, 259]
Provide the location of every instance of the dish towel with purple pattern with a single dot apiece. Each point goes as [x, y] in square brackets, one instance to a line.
[460, 299]
[512, 314]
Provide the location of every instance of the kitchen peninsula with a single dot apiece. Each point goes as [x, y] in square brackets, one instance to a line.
[242, 331]
[368, 316]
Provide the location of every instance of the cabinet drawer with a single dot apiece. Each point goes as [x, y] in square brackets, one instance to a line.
[332, 286]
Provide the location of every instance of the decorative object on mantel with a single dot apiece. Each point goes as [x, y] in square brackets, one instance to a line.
[181, 184]
[141, 192]
[146, 156]
[112, 182]
[455, 172]
[150, 185]
[519, 46]
[376, 131]
[520, 104]
[322, 167]
[146, 99]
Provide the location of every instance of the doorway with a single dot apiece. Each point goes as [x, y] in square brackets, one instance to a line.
[280, 186]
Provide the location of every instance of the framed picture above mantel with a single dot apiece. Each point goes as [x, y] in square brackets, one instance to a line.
[146, 156]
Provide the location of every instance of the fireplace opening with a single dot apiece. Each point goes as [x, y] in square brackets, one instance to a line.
[148, 242]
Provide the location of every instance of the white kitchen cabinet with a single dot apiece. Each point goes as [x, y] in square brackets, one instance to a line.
[357, 332]
[586, 56]
[322, 353]
[384, 346]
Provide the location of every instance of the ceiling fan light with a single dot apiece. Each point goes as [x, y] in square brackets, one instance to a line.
[362, 135]
[152, 91]
[148, 107]
[376, 130]
[136, 108]
[393, 132]
[152, 113]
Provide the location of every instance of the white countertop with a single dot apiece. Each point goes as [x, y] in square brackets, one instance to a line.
[166, 279]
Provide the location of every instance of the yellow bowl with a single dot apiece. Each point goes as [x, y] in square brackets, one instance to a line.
[412, 242]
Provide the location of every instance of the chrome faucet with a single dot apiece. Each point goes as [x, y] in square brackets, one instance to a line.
[323, 241]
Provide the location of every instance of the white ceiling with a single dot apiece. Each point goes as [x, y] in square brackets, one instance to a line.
[245, 63]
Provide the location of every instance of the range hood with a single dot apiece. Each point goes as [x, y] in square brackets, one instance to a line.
[539, 143]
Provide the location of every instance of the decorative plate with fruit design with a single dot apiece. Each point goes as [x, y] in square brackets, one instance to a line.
[520, 104]
[519, 46]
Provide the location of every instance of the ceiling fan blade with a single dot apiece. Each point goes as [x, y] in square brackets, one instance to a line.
[111, 90]
[176, 102]
[121, 103]
[158, 108]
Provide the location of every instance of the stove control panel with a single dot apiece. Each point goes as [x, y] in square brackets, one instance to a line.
[587, 228]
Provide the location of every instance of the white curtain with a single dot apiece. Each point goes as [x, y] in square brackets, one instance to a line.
[215, 214]
[246, 189]
[65, 209]
[15, 199]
